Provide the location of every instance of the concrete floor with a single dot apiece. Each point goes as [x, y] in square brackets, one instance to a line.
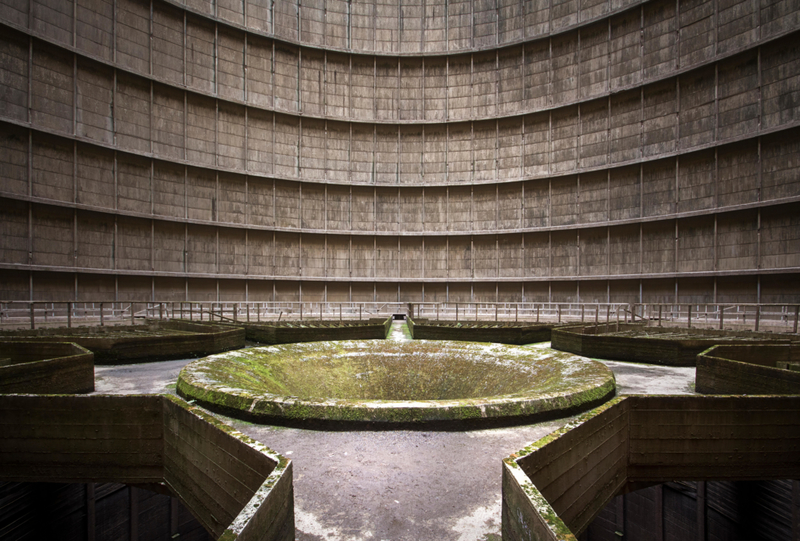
[396, 485]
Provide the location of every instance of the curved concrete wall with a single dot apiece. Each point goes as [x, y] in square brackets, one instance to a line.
[622, 151]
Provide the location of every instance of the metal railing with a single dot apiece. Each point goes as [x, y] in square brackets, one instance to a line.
[755, 317]
[529, 312]
[36, 314]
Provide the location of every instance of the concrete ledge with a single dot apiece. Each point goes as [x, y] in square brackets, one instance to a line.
[644, 344]
[748, 369]
[46, 368]
[291, 332]
[480, 331]
[236, 487]
[155, 341]
[555, 487]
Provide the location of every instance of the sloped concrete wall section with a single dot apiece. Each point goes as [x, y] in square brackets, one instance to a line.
[620, 151]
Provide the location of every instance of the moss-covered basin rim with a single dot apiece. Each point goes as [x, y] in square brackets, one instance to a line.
[466, 380]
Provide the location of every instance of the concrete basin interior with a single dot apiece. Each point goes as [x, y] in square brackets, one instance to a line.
[396, 382]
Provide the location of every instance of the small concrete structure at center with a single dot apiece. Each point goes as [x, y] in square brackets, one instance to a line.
[399, 383]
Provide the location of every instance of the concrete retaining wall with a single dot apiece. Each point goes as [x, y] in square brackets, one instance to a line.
[500, 332]
[551, 490]
[746, 369]
[578, 472]
[310, 331]
[234, 486]
[147, 344]
[46, 368]
[682, 350]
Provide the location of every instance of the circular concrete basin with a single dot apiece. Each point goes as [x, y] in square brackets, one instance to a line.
[395, 382]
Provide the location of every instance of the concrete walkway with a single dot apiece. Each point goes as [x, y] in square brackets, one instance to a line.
[395, 485]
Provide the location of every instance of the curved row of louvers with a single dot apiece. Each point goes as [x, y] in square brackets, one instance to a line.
[461, 151]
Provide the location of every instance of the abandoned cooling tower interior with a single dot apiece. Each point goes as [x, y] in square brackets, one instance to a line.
[400, 269]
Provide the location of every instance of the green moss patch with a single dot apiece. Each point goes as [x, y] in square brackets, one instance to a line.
[395, 382]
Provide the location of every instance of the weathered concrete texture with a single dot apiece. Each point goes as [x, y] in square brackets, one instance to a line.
[469, 151]
[155, 341]
[312, 331]
[385, 384]
[485, 331]
[656, 345]
[45, 368]
[247, 70]
[393, 484]
[552, 491]
[748, 369]
[235, 487]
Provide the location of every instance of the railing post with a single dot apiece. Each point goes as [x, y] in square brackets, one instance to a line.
[456, 311]
[340, 313]
[516, 313]
[69, 315]
[758, 315]
[660, 306]
[476, 311]
[33, 325]
[618, 309]
[608, 316]
[721, 315]
[596, 316]
[796, 317]
[301, 311]
[583, 308]
[360, 306]
[558, 311]
[437, 312]
[537, 313]
[161, 310]
[689, 318]
[102, 321]
[495, 311]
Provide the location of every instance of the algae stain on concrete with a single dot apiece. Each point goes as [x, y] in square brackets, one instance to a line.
[395, 381]
[400, 332]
